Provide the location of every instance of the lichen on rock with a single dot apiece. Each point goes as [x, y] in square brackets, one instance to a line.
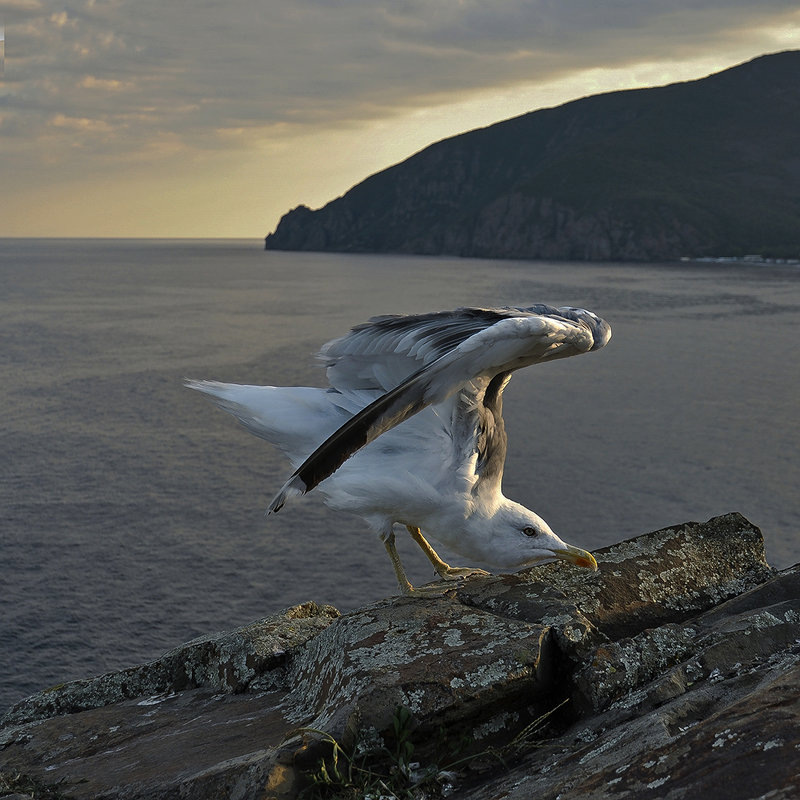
[684, 641]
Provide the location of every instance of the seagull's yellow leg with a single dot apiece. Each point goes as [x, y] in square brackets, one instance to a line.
[444, 570]
[400, 573]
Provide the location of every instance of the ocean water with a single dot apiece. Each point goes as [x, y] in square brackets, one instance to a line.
[132, 511]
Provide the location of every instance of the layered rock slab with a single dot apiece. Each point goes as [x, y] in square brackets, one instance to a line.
[254, 655]
[709, 709]
[480, 658]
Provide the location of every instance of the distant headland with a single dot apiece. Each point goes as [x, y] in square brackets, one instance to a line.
[691, 169]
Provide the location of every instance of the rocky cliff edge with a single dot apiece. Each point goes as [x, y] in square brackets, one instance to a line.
[672, 672]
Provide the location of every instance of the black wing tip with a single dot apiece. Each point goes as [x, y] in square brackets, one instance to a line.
[294, 487]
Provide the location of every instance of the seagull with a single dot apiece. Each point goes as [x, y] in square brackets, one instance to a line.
[410, 431]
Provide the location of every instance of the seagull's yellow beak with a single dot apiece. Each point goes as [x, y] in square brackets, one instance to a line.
[581, 558]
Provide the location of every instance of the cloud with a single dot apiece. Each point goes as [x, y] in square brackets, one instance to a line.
[198, 67]
[96, 84]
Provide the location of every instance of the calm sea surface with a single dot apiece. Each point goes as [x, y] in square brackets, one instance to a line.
[132, 511]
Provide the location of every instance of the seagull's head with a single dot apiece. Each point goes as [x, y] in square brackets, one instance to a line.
[519, 538]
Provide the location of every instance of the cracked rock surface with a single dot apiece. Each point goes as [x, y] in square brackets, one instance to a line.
[679, 661]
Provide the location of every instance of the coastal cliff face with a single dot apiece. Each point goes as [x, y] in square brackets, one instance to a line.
[673, 671]
[708, 167]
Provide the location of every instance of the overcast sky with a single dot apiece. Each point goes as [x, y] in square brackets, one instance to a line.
[211, 118]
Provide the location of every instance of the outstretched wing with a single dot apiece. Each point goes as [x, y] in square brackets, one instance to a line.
[454, 348]
[383, 352]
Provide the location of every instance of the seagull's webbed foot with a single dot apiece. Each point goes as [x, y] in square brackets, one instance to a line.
[449, 573]
[443, 569]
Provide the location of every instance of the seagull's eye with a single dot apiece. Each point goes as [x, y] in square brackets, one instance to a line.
[529, 531]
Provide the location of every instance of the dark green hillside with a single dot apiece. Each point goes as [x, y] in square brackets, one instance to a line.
[707, 167]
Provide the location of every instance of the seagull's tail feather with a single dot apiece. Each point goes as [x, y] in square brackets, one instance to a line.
[238, 401]
[294, 487]
[293, 418]
[271, 413]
